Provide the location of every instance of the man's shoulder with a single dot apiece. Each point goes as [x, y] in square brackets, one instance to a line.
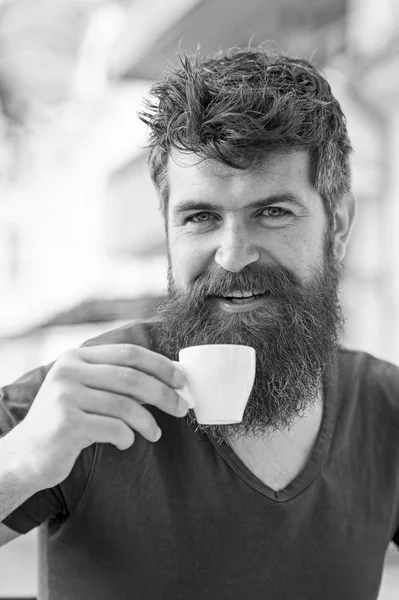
[372, 376]
[360, 361]
[136, 332]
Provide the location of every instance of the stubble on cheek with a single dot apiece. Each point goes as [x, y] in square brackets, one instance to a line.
[182, 272]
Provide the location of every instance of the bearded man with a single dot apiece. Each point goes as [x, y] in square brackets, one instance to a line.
[250, 156]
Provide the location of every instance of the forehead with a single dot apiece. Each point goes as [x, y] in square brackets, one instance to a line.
[189, 175]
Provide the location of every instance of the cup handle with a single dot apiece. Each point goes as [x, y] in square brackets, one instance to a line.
[183, 392]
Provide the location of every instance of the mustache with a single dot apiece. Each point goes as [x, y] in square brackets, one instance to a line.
[275, 281]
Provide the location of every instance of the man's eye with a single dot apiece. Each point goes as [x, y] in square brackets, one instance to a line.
[275, 212]
[202, 217]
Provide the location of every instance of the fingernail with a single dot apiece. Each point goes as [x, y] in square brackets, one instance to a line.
[178, 378]
[158, 435]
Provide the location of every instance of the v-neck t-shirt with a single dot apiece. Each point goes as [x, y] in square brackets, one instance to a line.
[185, 518]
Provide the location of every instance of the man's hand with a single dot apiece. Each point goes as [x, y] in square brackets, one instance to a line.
[96, 394]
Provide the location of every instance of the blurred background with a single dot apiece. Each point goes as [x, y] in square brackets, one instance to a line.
[81, 239]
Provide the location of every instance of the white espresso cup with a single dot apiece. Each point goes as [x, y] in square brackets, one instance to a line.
[219, 380]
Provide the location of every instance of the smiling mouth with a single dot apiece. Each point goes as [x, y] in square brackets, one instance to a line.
[247, 299]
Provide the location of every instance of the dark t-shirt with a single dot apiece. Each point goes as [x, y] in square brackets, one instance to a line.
[184, 518]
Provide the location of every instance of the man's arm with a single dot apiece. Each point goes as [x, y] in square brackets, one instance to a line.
[17, 484]
[94, 394]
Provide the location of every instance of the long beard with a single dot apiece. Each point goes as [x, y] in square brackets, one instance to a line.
[295, 335]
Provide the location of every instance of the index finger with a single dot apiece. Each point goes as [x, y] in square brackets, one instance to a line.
[136, 357]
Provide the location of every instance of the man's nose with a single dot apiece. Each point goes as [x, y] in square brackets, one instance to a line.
[236, 249]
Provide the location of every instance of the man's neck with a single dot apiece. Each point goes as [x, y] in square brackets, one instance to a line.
[276, 458]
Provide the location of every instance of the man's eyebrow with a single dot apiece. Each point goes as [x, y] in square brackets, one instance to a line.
[189, 205]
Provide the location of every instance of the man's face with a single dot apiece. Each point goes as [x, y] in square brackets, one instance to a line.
[262, 234]
[224, 229]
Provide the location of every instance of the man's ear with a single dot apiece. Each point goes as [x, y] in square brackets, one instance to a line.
[344, 218]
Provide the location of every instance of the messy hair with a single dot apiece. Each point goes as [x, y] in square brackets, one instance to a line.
[238, 106]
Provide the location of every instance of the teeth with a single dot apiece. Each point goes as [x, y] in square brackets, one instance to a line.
[245, 295]
[242, 295]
